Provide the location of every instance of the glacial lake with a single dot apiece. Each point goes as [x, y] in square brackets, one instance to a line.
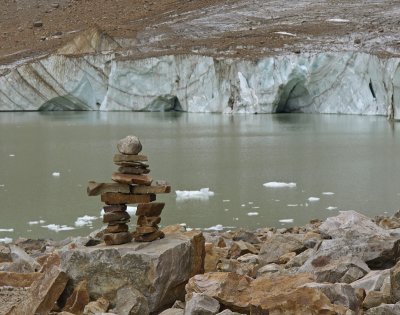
[340, 162]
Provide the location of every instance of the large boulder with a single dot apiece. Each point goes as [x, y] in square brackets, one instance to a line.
[351, 224]
[270, 294]
[372, 281]
[157, 270]
[278, 245]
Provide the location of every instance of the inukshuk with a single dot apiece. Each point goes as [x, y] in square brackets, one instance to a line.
[132, 186]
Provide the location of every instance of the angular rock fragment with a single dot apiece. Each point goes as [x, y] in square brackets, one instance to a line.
[117, 198]
[79, 298]
[153, 209]
[131, 179]
[201, 304]
[117, 228]
[115, 216]
[129, 169]
[117, 238]
[148, 221]
[129, 158]
[94, 189]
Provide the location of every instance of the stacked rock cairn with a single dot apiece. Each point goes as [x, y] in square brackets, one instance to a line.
[131, 185]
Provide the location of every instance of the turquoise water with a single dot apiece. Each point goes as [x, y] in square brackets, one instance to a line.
[354, 157]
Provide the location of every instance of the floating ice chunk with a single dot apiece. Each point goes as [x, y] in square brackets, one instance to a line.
[225, 200]
[255, 207]
[11, 155]
[202, 194]
[286, 221]
[2, 185]
[292, 205]
[243, 205]
[56, 174]
[6, 230]
[218, 227]
[182, 224]
[311, 199]
[189, 229]
[279, 185]
[250, 202]
[250, 214]
[85, 220]
[286, 33]
[58, 228]
[338, 20]
[331, 208]
[131, 210]
[328, 193]
[6, 240]
[33, 222]
[226, 209]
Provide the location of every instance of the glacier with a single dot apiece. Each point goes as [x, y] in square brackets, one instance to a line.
[325, 82]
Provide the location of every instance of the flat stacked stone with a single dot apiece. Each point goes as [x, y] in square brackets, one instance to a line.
[131, 185]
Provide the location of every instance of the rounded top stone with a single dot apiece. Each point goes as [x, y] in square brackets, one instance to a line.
[129, 145]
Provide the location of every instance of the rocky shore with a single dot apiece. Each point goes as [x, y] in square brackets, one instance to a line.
[347, 264]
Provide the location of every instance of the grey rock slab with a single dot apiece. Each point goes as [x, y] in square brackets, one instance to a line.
[351, 224]
[376, 251]
[372, 281]
[343, 269]
[278, 245]
[384, 309]
[201, 304]
[131, 302]
[228, 312]
[338, 293]
[173, 311]
[158, 270]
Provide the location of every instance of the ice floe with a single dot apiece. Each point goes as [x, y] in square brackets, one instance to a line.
[218, 227]
[225, 200]
[286, 220]
[6, 230]
[331, 208]
[338, 20]
[36, 222]
[11, 155]
[56, 174]
[58, 228]
[279, 185]
[286, 33]
[85, 220]
[328, 193]
[313, 199]
[202, 194]
[250, 214]
[6, 240]
[293, 205]
[255, 207]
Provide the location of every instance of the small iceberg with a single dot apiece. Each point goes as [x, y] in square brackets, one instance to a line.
[6, 230]
[251, 214]
[58, 228]
[286, 221]
[286, 33]
[202, 194]
[6, 240]
[293, 205]
[218, 227]
[328, 193]
[338, 20]
[331, 208]
[312, 199]
[85, 220]
[279, 185]
[36, 222]
[56, 174]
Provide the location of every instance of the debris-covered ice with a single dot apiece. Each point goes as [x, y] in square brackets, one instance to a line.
[279, 185]
[202, 194]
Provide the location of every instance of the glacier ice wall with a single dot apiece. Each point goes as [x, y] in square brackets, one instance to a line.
[347, 83]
